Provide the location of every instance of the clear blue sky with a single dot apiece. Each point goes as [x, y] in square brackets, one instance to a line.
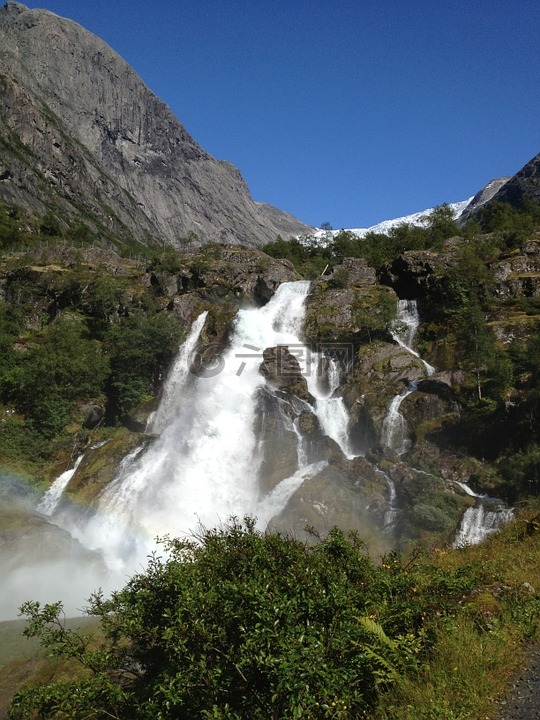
[344, 111]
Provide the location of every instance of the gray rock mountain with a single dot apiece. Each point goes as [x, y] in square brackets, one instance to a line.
[83, 136]
[524, 185]
[482, 197]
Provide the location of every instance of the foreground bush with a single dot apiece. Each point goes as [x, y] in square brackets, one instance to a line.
[244, 625]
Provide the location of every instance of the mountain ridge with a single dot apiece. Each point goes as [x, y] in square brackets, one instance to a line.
[79, 127]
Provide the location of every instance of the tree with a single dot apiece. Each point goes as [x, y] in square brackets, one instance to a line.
[139, 347]
[477, 342]
[50, 225]
[441, 224]
[63, 367]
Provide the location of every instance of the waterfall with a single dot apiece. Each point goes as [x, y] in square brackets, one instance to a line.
[404, 328]
[403, 331]
[278, 498]
[479, 521]
[330, 409]
[50, 500]
[203, 466]
[176, 380]
[394, 427]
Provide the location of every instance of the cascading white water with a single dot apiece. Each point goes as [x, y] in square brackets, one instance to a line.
[394, 427]
[49, 502]
[404, 329]
[176, 380]
[276, 500]
[407, 323]
[331, 409]
[478, 522]
[203, 467]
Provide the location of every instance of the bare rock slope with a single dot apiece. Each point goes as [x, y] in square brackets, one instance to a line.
[83, 136]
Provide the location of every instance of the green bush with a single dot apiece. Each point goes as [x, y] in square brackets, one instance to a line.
[139, 349]
[239, 624]
[430, 518]
[62, 367]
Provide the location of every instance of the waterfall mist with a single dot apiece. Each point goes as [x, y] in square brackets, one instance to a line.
[199, 467]
[223, 442]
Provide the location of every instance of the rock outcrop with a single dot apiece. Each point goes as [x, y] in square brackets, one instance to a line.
[82, 136]
[524, 185]
[481, 198]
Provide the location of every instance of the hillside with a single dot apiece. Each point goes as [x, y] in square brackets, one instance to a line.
[420, 431]
[82, 136]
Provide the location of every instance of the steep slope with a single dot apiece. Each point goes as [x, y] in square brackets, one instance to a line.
[81, 134]
[524, 185]
[482, 197]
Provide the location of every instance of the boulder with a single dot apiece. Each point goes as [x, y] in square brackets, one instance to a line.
[282, 370]
[350, 494]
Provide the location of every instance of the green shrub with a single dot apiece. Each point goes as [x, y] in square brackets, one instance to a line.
[239, 624]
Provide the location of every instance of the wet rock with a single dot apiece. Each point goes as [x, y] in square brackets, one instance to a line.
[186, 307]
[283, 371]
[288, 433]
[93, 415]
[348, 494]
[381, 371]
[276, 438]
[137, 418]
[382, 453]
[100, 465]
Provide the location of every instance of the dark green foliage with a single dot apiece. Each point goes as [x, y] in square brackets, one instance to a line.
[308, 259]
[248, 626]
[522, 471]
[512, 224]
[50, 225]
[10, 233]
[62, 367]
[139, 348]
[80, 234]
[103, 296]
[166, 260]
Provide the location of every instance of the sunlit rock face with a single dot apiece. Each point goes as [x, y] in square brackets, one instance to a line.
[82, 133]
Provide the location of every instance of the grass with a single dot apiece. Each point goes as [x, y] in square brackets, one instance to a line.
[23, 660]
[475, 652]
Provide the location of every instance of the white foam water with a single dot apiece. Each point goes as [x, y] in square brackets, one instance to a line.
[203, 467]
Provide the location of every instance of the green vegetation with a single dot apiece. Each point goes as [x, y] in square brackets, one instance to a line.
[235, 624]
[310, 257]
[70, 336]
[490, 340]
[140, 348]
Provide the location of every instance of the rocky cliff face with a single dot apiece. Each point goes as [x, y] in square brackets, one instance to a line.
[82, 135]
[524, 185]
[482, 197]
